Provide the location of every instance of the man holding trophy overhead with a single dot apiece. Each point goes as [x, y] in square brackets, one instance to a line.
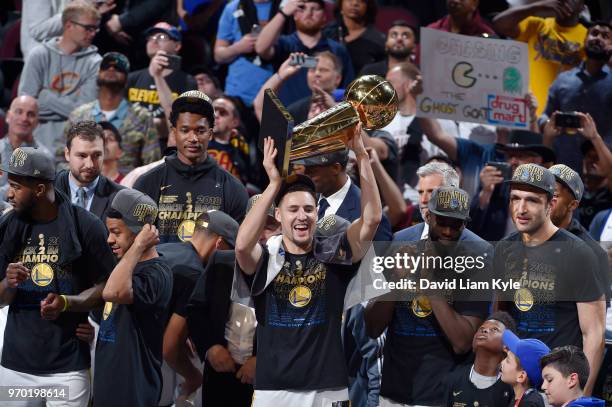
[297, 282]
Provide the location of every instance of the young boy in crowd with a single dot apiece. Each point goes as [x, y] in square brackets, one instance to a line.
[479, 384]
[565, 371]
[521, 369]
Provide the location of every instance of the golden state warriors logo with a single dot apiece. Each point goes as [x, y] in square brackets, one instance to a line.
[108, 308]
[300, 296]
[185, 230]
[421, 307]
[523, 299]
[42, 274]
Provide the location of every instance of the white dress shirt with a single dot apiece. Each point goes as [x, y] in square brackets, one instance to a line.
[336, 199]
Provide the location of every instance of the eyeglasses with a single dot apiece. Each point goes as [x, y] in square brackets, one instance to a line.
[87, 27]
[159, 37]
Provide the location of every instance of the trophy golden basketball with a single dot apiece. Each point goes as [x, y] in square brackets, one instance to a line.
[369, 99]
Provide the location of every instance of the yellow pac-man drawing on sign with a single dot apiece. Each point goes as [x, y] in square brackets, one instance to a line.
[300, 296]
[461, 75]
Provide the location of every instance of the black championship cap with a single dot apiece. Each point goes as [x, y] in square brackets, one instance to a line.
[116, 60]
[256, 198]
[340, 157]
[219, 223]
[569, 178]
[195, 97]
[136, 208]
[450, 202]
[525, 140]
[292, 181]
[30, 162]
[534, 175]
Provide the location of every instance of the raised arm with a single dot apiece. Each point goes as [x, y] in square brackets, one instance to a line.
[226, 53]
[395, 208]
[431, 128]
[275, 82]
[458, 329]
[362, 231]
[604, 155]
[118, 288]
[507, 22]
[248, 250]
[270, 33]
[156, 69]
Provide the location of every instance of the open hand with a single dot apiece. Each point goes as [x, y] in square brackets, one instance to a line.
[287, 70]
[269, 161]
[356, 142]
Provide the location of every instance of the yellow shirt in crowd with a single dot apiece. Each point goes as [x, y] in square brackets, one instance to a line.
[552, 49]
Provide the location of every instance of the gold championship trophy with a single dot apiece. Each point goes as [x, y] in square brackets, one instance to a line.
[369, 99]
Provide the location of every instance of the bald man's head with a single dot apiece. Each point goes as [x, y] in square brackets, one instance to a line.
[22, 118]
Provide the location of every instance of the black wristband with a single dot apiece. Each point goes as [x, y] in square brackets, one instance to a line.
[280, 10]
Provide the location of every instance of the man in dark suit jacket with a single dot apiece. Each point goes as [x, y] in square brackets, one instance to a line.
[103, 193]
[83, 182]
[337, 193]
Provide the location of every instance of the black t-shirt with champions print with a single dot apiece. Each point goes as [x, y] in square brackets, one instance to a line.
[32, 344]
[553, 277]
[299, 317]
[129, 347]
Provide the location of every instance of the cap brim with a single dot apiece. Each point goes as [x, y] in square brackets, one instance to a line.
[291, 180]
[5, 169]
[183, 100]
[511, 341]
[449, 214]
[527, 184]
[547, 154]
